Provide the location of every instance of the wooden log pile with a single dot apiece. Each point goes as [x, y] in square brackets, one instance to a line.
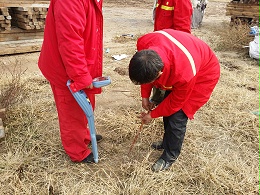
[28, 18]
[22, 3]
[244, 11]
[22, 26]
[5, 19]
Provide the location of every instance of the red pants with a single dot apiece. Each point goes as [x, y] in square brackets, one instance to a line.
[75, 135]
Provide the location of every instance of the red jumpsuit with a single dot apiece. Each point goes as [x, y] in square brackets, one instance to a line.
[191, 85]
[72, 49]
[174, 14]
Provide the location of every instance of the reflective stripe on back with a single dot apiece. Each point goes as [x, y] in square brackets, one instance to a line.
[185, 51]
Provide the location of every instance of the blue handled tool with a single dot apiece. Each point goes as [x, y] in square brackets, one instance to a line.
[85, 105]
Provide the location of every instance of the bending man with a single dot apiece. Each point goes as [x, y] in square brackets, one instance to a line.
[187, 69]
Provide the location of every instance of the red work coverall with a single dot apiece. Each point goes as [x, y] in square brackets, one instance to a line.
[72, 49]
[191, 86]
[174, 14]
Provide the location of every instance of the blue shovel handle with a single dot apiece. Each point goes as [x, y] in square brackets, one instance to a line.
[85, 105]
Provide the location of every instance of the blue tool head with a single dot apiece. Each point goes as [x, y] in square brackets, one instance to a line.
[101, 81]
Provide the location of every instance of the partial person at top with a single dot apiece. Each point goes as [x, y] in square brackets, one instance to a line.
[173, 14]
[198, 7]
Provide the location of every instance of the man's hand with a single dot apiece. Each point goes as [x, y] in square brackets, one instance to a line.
[90, 86]
[146, 117]
[147, 105]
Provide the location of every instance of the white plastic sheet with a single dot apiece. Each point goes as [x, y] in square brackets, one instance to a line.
[254, 48]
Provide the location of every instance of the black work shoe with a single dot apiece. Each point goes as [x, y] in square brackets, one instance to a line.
[99, 138]
[89, 159]
[161, 165]
[157, 145]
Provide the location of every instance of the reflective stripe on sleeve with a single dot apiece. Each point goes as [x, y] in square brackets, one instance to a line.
[168, 8]
[164, 7]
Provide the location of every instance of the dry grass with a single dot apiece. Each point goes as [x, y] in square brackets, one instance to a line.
[233, 38]
[220, 153]
[12, 86]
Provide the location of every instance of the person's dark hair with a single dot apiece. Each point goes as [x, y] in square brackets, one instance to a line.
[144, 67]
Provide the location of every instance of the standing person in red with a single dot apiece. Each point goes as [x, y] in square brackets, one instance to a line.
[73, 49]
[173, 14]
[187, 69]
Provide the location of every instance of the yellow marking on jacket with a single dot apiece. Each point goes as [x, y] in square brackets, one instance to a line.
[165, 7]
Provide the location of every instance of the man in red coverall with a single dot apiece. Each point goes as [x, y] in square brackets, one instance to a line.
[72, 49]
[187, 69]
[170, 14]
[173, 14]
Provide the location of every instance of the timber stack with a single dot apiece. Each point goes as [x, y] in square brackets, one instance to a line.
[28, 17]
[21, 25]
[5, 19]
[243, 12]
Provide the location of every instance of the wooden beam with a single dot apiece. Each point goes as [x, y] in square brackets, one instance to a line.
[242, 10]
[21, 46]
[16, 34]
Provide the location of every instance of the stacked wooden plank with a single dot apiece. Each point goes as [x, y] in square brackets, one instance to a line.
[26, 21]
[16, 34]
[20, 46]
[28, 18]
[5, 19]
[22, 3]
[243, 10]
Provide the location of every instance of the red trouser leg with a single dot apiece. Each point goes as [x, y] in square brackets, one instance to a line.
[75, 135]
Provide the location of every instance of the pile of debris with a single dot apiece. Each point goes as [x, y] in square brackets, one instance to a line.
[243, 12]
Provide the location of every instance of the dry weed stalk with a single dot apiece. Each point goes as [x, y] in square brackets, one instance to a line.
[12, 88]
[136, 137]
[233, 38]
